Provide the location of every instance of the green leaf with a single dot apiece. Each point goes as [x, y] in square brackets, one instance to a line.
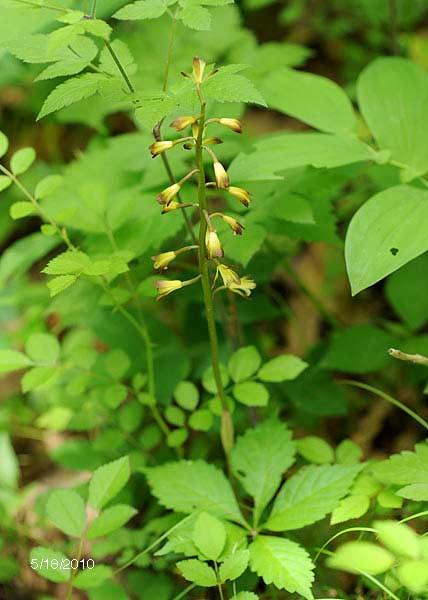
[415, 491]
[315, 450]
[11, 360]
[5, 182]
[209, 536]
[208, 380]
[407, 292]
[152, 107]
[259, 459]
[386, 233]
[59, 284]
[282, 368]
[47, 186]
[66, 509]
[313, 99]
[234, 565]
[197, 572]
[43, 348]
[227, 86]
[82, 52]
[107, 481]
[51, 564]
[115, 395]
[124, 56]
[4, 144]
[361, 557]
[18, 210]
[407, 468]
[201, 420]
[251, 393]
[38, 377]
[195, 16]
[348, 453]
[186, 486]
[117, 363]
[69, 262]
[91, 578]
[413, 574]
[283, 563]
[310, 495]
[186, 395]
[352, 507]
[400, 539]
[175, 416]
[22, 160]
[71, 91]
[110, 519]
[142, 9]
[177, 438]
[277, 152]
[244, 363]
[245, 596]
[392, 93]
[9, 465]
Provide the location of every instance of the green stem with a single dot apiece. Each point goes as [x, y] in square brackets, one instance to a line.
[185, 592]
[219, 586]
[120, 67]
[153, 545]
[74, 571]
[387, 397]
[169, 54]
[226, 425]
[61, 232]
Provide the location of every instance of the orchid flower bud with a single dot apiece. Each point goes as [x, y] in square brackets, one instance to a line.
[182, 122]
[221, 176]
[165, 287]
[242, 195]
[235, 225]
[161, 261]
[169, 193]
[213, 244]
[233, 124]
[158, 147]
[198, 69]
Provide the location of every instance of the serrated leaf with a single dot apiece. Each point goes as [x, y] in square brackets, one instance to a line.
[209, 536]
[123, 54]
[187, 486]
[107, 481]
[195, 16]
[197, 572]
[69, 262]
[358, 557]
[351, 507]
[72, 90]
[11, 360]
[51, 564]
[152, 107]
[259, 459]
[142, 9]
[66, 509]
[110, 519]
[22, 160]
[283, 563]
[244, 363]
[310, 495]
[234, 565]
[228, 86]
[407, 468]
[282, 368]
[385, 234]
[61, 283]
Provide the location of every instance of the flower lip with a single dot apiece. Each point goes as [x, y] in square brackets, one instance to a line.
[228, 275]
[244, 287]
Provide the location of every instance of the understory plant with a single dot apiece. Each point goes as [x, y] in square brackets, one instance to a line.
[187, 435]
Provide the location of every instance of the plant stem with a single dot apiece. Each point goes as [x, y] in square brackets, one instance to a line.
[74, 571]
[219, 586]
[387, 397]
[417, 359]
[185, 592]
[120, 67]
[226, 423]
[61, 232]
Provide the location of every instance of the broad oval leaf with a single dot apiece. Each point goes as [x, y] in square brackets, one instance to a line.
[393, 95]
[66, 509]
[313, 99]
[107, 481]
[386, 233]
